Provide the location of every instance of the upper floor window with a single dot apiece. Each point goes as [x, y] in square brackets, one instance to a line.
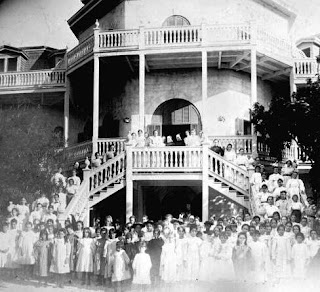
[176, 20]
[8, 64]
[307, 52]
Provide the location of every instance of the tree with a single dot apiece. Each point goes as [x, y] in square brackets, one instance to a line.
[28, 153]
[293, 119]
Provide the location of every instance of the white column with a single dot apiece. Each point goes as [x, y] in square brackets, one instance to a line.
[142, 65]
[204, 91]
[129, 183]
[95, 118]
[205, 179]
[293, 86]
[254, 98]
[66, 112]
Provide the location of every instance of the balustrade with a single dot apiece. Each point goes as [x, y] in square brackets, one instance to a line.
[228, 33]
[237, 142]
[119, 39]
[228, 172]
[307, 67]
[105, 144]
[80, 51]
[78, 152]
[32, 78]
[166, 159]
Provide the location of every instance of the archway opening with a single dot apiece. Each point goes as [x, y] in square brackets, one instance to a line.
[175, 116]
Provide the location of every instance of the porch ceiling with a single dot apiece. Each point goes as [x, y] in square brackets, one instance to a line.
[267, 67]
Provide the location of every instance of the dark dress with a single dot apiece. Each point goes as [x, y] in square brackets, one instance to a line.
[154, 249]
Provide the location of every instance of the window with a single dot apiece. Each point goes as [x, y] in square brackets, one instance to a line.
[176, 20]
[307, 52]
[8, 64]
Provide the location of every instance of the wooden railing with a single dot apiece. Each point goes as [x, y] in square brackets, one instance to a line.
[228, 173]
[105, 144]
[81, 51]
[119, 39]
[95, 180]
[78, 152]
[201, 35]
[166, 159]
[237, 142]
[305, 68]
[32, 78]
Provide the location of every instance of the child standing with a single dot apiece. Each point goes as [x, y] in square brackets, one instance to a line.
[42, 250]
[99, 263]
[141, 267]
[109, 250]
[85, 253]
[119, 262]
[26, 257]
[60, 257]
[300, 257]
[4, 248]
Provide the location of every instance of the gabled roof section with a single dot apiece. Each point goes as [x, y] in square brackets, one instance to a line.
[87, 15]
[17, 51]
[281, 6]
[315, 39]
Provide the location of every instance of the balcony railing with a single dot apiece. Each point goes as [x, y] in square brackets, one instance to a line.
[32, 78]
[305, 68]
[237, 142]
[202, 35]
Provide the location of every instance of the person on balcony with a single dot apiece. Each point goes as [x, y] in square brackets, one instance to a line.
[179, 141]
[216, 148]
[187, 138]
[242, 160]
[230, 155]
[169, 141]
[140, 140]
[194, 139]
[147, 139]
[156, 140]
[287, 171]
[96, 161]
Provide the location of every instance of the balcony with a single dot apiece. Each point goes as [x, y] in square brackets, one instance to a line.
[32, 81]
[304, 69]
[234, 37]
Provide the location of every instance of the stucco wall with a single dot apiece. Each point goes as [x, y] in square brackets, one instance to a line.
[228, 96]
[152, 13]
[115, 19]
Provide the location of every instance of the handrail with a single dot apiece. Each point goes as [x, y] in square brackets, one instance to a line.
[237, 142]
[94, 181]
[228, 173]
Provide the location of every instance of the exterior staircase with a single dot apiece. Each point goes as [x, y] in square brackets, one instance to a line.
[224, 177]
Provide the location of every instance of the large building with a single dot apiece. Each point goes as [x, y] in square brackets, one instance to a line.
[169, 66]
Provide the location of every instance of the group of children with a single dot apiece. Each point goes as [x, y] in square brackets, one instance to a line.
[169, 252]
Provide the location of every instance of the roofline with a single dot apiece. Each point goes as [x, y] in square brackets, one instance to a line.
[310, 39]
[83, 10]
[15, 50]
[281, 6]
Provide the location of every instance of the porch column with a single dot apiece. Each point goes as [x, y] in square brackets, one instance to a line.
[66, 112]
[129, 183]
[204, 91]
[142, 65]
[254, 97]
[96, 76]
[205, 185]
[293, 86]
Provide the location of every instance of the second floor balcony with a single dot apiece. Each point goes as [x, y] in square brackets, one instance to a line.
[32, 81]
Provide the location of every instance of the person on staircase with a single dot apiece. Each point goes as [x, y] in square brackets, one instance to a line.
[229, 154]
[242, 160]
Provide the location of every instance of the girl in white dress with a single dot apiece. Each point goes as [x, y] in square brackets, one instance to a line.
[281, 254]
[300, 257]
[15, 215]
[26, 256]
[295, 186]
[86, 249]
[313, 243]
[24, 212]
[256, 180]
[141, 267]
[206, 260]
[168, 259]
[61, 252]
[119, 263]
[192, 258]
[4, 247]
[180, 253]
[14, 235]
[230, 154]
[109, 250]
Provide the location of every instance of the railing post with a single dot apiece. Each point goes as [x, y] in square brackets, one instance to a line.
[129, 182]
[141, 38]
[204, 39]
[205, 182]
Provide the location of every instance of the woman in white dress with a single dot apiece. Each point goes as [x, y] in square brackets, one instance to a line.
[242, 160]
[295, 186]
[4, 246]
[141, 266]
[230, 154]
[300, 257]
[286, 171]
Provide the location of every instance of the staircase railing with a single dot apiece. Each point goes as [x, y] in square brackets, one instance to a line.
[95, 180]
[228, 173]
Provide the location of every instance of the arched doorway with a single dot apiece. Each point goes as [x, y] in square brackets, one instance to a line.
[175, 116]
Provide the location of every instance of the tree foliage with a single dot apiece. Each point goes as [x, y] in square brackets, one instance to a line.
[296, 118]
[28, 153]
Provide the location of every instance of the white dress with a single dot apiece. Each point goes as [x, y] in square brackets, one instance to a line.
[14, 236]
[60, 256]
[168, 262]
[180, 256]
[230, 156]
[255, 181]
[259, 256]
[5, 249]
[85, 255]
[300, 256]
[273, 181]
[141, 269]
[119, 262]
[313, 247]
[26, 243]
[192, 258]
[281, 254]
[206, 261]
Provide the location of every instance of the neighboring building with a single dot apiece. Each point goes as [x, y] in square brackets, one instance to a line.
[170, 66]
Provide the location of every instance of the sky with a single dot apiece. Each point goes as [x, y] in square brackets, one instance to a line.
[44, 22]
